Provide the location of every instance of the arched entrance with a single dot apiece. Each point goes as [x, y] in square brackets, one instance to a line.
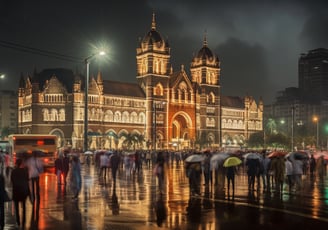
[181, 132]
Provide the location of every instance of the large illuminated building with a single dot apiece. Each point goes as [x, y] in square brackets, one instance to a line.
[170, 109]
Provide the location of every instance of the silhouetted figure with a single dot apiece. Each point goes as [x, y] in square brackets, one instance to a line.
[20, 183]
[230, 173]
[115, 161]
[76, 180]
[312, 165]
[252, 169]
[35, 168]
[2, 201]
[160, 170]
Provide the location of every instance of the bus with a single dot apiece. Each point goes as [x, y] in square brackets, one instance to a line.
[46, 145]
[5, 147]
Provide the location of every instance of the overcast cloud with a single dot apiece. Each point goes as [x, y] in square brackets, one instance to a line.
[258, 42]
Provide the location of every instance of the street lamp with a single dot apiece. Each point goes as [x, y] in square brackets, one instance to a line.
[2, 76]
[316, 120]
[86, 89]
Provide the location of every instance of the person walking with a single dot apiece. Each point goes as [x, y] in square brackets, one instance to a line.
[59, 165]
[35, 168]
[20, 185]
[289, 173]
[115, 161]
[104, 162]
[312, 165]
[230, 173]
[76, 179]
[266, 173]
[66, 163]
[148, 158]
[252, 169]
[278, 168]
[160, 160]
[321, 167]
[2, 201]
[297, 172]
[206, 167]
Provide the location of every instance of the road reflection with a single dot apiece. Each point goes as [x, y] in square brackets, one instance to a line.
[134, 200]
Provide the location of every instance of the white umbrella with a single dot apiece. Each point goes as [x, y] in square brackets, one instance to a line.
[194, 158]
[217, 159]
[252, 156]
[88, 153]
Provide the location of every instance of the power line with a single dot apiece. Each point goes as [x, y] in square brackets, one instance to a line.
[41, 52]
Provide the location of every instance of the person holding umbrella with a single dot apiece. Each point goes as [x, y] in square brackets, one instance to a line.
[230, 164]
[231, 171]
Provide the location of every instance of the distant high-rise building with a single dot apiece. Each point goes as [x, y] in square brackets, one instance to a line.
[8, 112]
[313, 74]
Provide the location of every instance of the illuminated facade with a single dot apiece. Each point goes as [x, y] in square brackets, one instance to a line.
[168, 108]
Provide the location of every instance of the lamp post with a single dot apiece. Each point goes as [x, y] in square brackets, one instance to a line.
[316, 120]
[86, 91]
[292, 126]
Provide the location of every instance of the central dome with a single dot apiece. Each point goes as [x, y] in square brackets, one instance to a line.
[153, 37]
[205, 53]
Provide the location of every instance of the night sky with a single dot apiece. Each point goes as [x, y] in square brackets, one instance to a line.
[258, 42]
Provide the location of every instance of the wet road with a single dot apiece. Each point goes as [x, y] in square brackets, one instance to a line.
[135, 203]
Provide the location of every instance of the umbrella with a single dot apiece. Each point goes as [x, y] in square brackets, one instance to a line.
[299, 155]
[217, 159]
[88, 153]
[232, 161]
[277, 154]
[129, 153]
[319, 154]
[194, 158]
[252, 156]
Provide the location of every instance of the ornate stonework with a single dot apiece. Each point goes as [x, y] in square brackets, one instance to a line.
[168, 108]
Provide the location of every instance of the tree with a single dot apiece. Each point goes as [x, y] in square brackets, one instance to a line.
[271, 126]
[256, 140]
[278, 141]
[132, 139]
[5, 131]
[202, 140]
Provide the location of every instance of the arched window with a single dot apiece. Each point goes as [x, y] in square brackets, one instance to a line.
[134, 117]
[158, 90]
[117, 116]
[125, 117]
[62, 114]
[142, 118]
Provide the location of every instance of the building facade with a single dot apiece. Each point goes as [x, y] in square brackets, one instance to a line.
[169, 109]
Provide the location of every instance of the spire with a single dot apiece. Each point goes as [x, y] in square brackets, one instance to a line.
[153, 23]
[205, 39]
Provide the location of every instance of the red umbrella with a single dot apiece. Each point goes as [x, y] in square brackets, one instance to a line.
[277, 154]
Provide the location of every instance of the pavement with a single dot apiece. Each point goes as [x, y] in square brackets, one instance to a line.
[136, 203]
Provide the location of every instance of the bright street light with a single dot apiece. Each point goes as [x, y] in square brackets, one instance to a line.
[86, 92]
[316, 120]
[2, 76]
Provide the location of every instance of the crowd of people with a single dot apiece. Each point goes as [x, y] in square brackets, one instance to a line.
[266, 171]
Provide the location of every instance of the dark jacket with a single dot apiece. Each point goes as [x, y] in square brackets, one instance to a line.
[19, 180]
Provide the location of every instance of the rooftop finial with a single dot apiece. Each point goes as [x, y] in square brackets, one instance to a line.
[153, 23]
[205, 38]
